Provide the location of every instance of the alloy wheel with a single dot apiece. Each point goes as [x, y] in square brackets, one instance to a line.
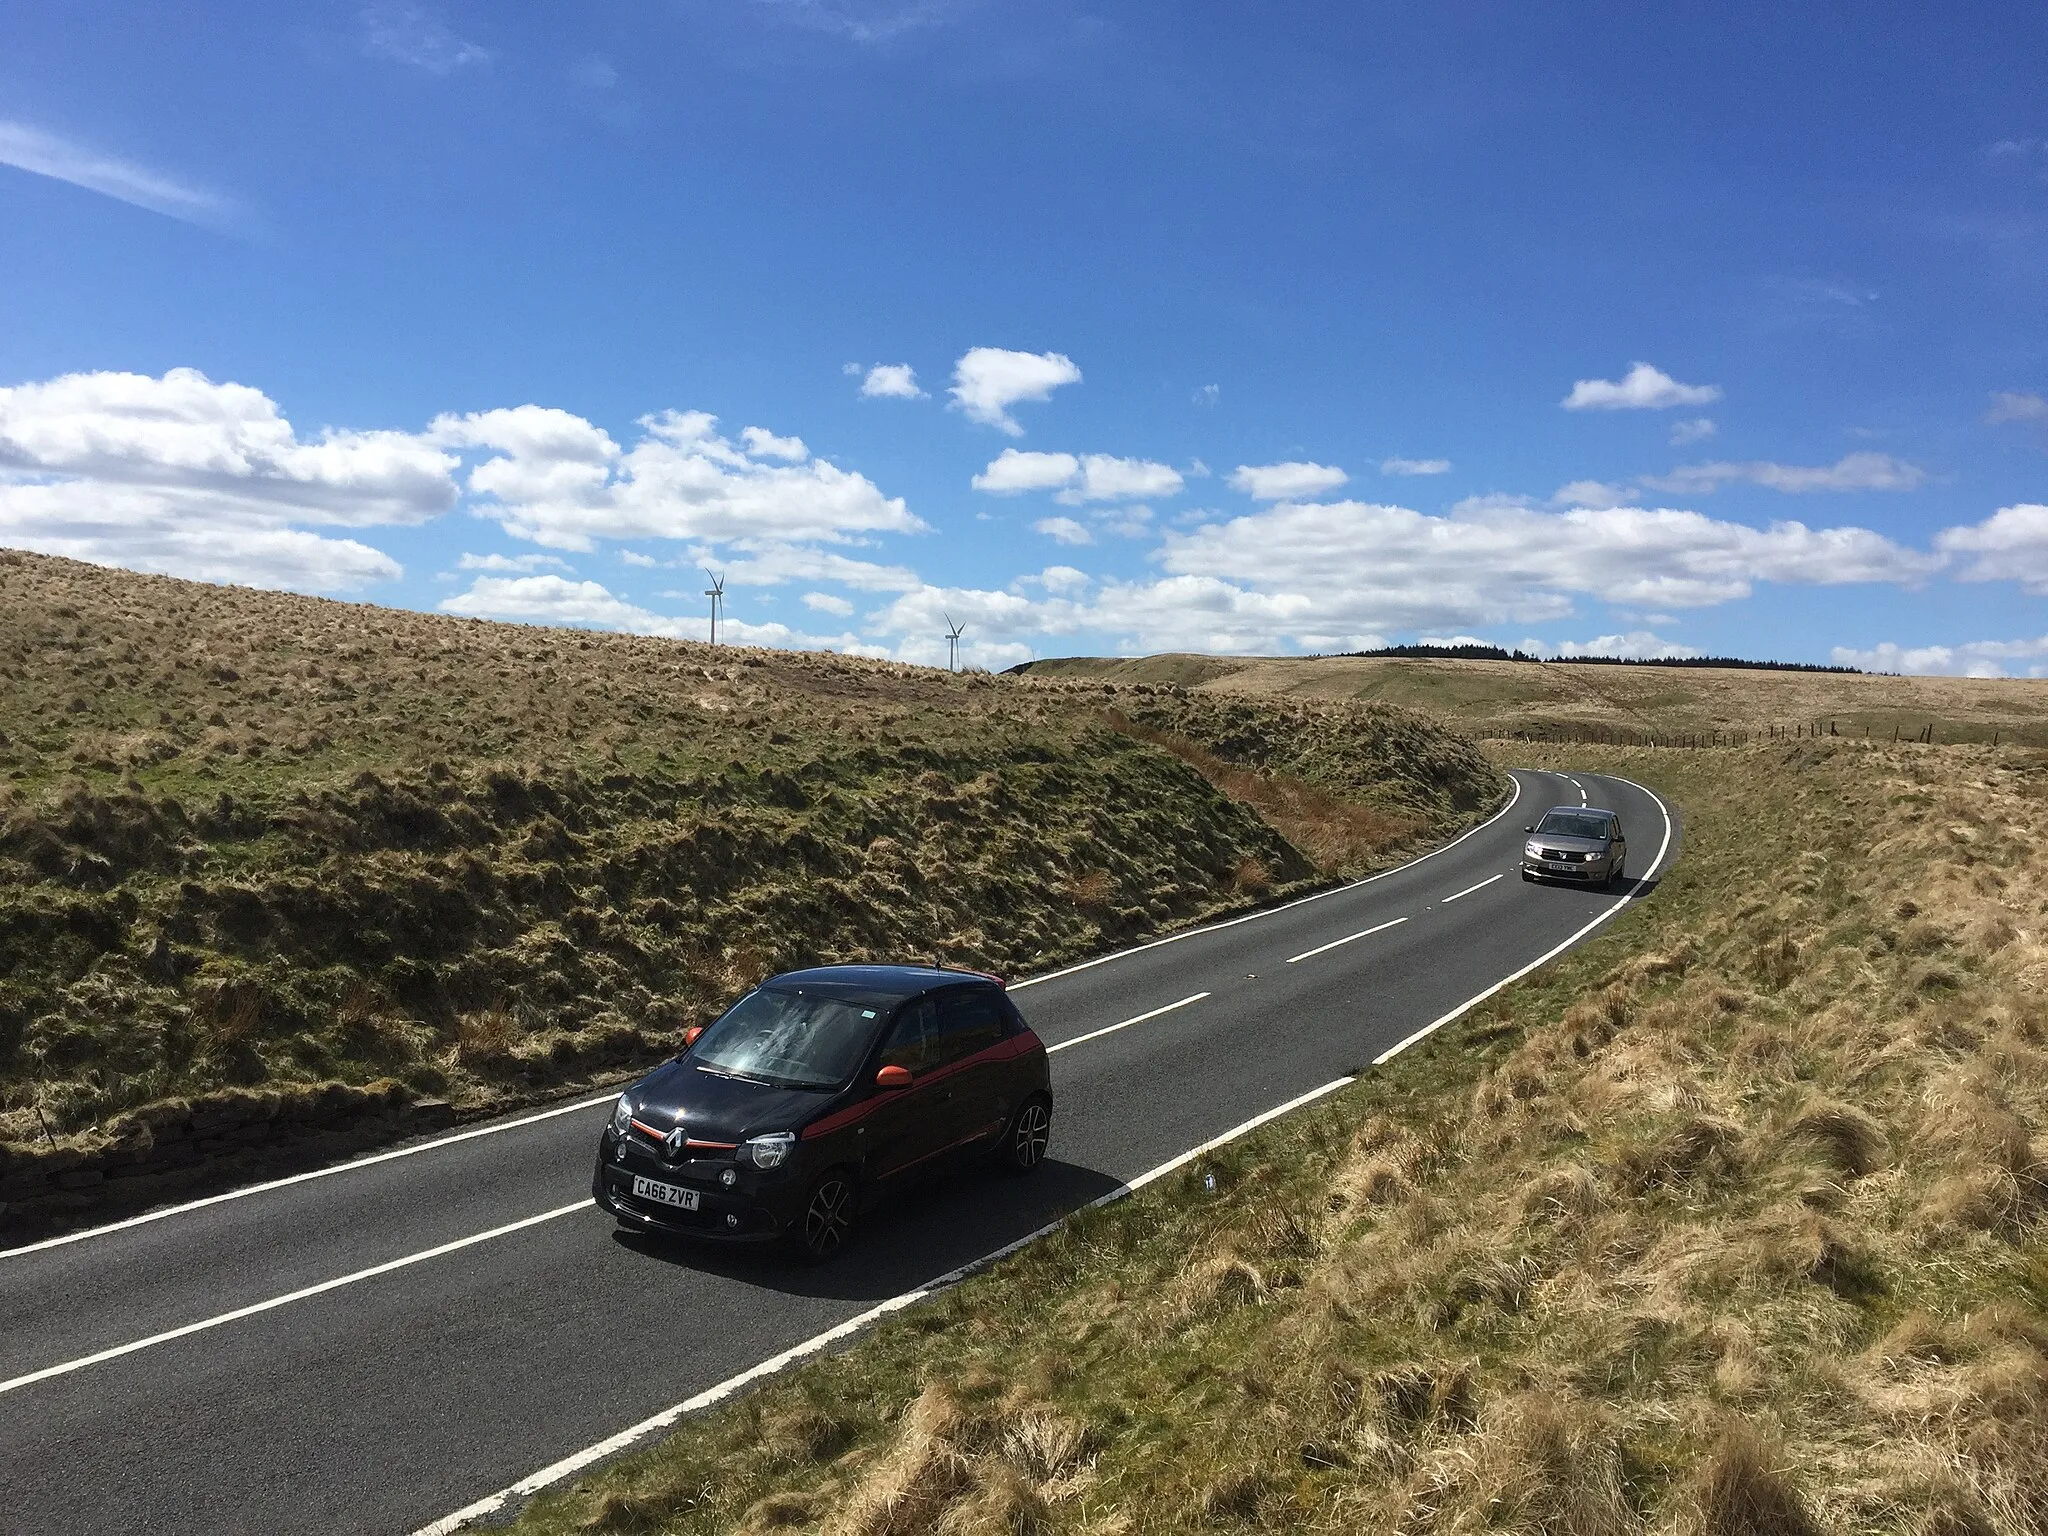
[829, 1218]
[1028, 1140]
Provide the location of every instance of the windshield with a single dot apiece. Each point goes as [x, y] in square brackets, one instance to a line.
[789, 1039]
[1572, 824]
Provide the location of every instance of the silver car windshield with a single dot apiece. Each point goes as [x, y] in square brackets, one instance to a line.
[789, 1039]
[1567, 824]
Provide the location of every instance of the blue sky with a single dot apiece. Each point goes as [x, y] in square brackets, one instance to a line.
[1101, 328]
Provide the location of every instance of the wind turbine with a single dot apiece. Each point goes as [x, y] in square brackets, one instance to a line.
[953, 634]
[716, 592]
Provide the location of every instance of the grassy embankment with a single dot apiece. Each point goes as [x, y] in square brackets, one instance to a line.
[1506, 698]
[250, 841]
[1729, 1222]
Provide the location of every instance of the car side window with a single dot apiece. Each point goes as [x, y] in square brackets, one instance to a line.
[1614, 831]
[913, 1038]
[970, 1020]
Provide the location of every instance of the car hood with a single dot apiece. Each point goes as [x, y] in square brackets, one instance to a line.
[721, 1108]
[1570, 844]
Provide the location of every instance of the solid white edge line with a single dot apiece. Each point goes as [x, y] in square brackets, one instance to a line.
[1285, 906]
[1482, 885]
[1363, 933]
[1097, 1034]
[275, 1302]
[568, 1466]
[301, 1178]
[1507, 981]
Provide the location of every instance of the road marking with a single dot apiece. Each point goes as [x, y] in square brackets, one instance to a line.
[275, 1302]
[301, 1178]
[1507, 981]
[1363, 933]
[566, 1109]
[1097, 1034]
[1285, 906]
[624, 1440]
[1482, 885]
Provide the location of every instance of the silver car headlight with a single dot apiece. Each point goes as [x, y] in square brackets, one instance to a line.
[769, 1151]
[1531, 851]
[622, 1115]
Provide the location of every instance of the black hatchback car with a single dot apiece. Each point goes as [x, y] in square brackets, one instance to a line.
[819, 1092]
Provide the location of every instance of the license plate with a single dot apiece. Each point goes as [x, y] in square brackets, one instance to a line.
[664, 1194]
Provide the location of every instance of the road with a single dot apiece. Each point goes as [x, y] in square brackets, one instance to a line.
[373, 1347]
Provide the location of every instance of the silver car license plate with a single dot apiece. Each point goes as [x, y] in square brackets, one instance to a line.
[664, 1194]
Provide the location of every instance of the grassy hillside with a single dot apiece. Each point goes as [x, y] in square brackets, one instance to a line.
[261, 840]
[1505, 698]
[1729, 1224]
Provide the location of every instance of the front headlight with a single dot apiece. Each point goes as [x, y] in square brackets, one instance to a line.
[622, 1115]
[769, 1151]
[1531, 851]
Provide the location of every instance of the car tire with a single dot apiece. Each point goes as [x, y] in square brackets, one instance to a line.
[826, 1225]
[1024, 1139]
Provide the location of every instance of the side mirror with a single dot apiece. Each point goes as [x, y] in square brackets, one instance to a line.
[893, 1077]
[1528, 829]
[690, 1035]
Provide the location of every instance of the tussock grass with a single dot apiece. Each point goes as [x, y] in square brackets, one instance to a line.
[1729, 1224]
[249, 839]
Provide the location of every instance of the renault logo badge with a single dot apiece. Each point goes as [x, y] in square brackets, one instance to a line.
[675, 1141]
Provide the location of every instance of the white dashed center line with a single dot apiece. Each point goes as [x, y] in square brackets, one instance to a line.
[1110, 1029]
[1310, 954]
[1482, 885]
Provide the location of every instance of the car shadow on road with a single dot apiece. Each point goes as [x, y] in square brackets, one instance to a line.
[952, 1219]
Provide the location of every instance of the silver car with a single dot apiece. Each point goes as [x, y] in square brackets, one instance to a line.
[1575, 842]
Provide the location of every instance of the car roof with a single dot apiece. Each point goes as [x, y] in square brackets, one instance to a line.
[881, 982]
[1580, 810]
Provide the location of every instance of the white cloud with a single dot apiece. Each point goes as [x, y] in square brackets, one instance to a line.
[763, 444]
[187, 477]
[1209, 394]
[889, 381]
[1974, 658]
[635, 558]
[1694, 429]
[773, 565]
[1090, 477]
[1063, 529]
[1636, 645]
[1597, 494]
[1399, 466]
[511, 563]
[1852, 472]
[2014, 405]
[1013, 471]
[1286, 482]
[1061, 578]
[1132, 521]
[589, 605]
[1642, 388]
[554, 478]
[987, 381]
[1105, 477]
[413, 35]
[2009, 545]
[825, 602]
[45, 154]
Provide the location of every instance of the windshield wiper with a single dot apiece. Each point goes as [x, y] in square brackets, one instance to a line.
[743, 1077]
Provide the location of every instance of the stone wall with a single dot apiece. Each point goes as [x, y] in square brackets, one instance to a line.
[189, 1147]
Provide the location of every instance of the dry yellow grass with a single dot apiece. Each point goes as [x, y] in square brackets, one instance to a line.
[1505, 698]
[1731, 1224]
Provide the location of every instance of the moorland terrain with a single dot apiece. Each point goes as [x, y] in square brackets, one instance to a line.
[1729, 1223]
[1503, 699]
[257, 848]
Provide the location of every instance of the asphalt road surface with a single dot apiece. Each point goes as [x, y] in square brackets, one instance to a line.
[374, 1347]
